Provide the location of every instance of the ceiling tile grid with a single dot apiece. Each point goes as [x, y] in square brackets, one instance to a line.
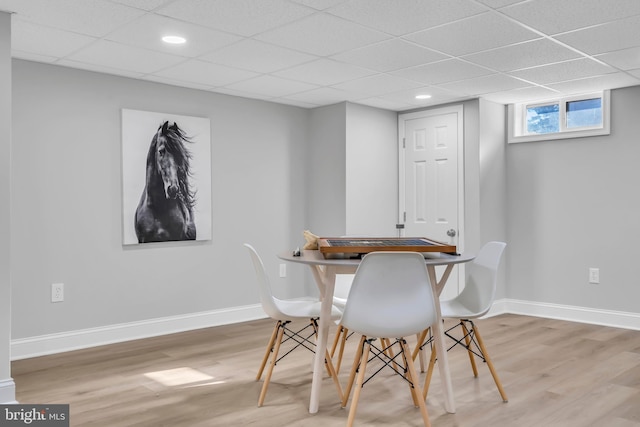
[310, 53]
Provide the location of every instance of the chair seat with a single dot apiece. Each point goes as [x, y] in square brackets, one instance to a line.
[341, 303]
[303, 308]
[455, 309]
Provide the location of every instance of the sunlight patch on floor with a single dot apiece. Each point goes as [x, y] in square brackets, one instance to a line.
[181, 377]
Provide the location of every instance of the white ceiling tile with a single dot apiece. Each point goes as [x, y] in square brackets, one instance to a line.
[46, 41]
[99, 68]
[399, 17]
[294, 103]
[385, 104]
[443, 72]
[119, 56]
[475, 34]
[617, 35]
[527, 94]
[205, 73]
[311, 52]
[28, 56]
[320, 4]
[592, 84]
[635, 73]
[496, 4]
[486, 84]
[244, 17]
[175, 82]
[147, 32]
[324, 72]
[390, 55]
[271, 86]
[626, 59]
[148, 5]
[563, 71]
[523, 55]
[378, 84]
[321, 96]
[322, 35]
[239, 93]
[553, 17]
[438, 96]
[93, 17]
[257, 56]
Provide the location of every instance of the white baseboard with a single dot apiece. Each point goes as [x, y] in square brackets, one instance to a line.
[616, 319]
[85, 338]
[7, 392]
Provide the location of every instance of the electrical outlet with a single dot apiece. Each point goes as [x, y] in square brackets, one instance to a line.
[57, 292]
[283, 270]
[594, 275]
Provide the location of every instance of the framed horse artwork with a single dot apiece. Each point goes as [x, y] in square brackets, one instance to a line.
[166, 166]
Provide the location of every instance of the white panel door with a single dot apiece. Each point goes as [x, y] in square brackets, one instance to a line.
[431, 179]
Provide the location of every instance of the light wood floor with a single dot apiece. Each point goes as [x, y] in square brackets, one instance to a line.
[555, 373]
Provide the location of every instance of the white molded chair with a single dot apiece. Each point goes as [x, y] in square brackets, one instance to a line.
[284, 312]
[390, 297]
[474, 301]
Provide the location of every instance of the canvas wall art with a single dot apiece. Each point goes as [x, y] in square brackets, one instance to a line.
[166, 177]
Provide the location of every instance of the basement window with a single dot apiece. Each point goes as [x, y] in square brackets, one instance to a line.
[570, 117]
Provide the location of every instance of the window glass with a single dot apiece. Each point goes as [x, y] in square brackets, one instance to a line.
[543, 118]
[584, 113]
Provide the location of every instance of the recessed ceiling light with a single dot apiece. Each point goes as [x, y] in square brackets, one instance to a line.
[423, 96]
[174, 39]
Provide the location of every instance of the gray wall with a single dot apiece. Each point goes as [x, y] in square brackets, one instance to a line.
[325, 170]
[67, 203]
[573, 204]
[372, 171]
[352, 170]
[492, 183]
[7, 391]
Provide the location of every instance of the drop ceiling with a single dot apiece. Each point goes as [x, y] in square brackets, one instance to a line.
[311, 53]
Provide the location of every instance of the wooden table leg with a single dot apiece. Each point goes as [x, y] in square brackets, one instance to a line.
[326, 282]
[438, 335]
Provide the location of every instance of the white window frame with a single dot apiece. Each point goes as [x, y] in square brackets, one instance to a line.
[517, 120]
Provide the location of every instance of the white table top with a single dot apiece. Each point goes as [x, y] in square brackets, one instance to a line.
[315, 257]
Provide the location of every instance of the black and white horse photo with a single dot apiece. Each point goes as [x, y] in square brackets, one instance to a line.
[166, 208]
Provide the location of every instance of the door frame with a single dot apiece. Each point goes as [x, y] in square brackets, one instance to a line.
[459, 110]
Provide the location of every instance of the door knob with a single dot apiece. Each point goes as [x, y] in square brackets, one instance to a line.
[451, 232]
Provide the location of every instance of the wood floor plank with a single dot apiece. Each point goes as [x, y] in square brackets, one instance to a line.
[556, 373]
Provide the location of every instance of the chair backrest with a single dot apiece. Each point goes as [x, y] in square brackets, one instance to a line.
[482, 277]
[390, 296]
[266, 295]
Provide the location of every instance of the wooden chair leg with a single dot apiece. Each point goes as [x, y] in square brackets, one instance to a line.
[417, 350]
[414, 385]
[268, 351]
[274, 358]
[427, 379]
[360, 382]
[467, 340]
[352, 374]
[341, 338]
[490, 364]
[332, 373]
[336, 339]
